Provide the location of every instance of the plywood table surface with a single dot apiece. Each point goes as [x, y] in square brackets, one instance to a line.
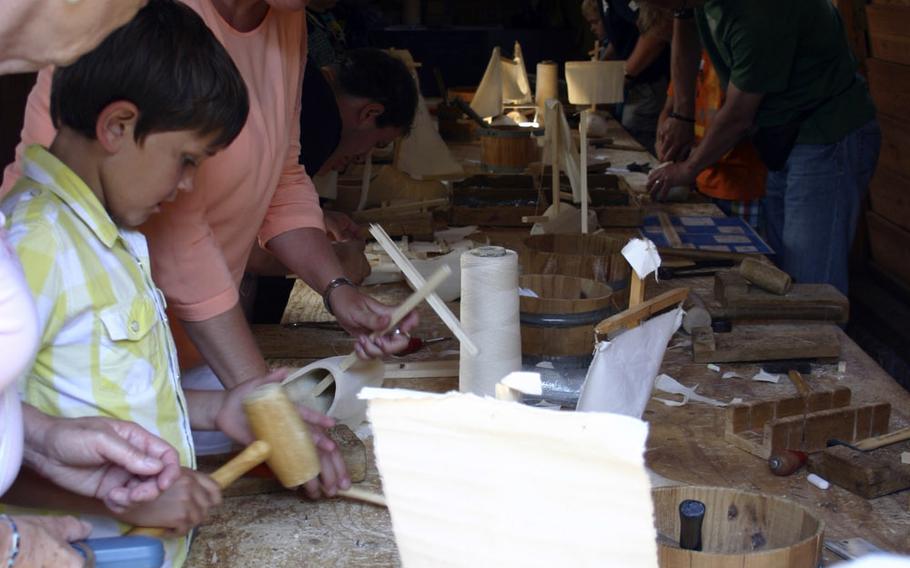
[686, 444]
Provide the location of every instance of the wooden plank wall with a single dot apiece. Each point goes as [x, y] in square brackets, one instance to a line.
[888, 70]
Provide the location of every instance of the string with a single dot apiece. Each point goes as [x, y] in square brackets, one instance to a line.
[489, 314]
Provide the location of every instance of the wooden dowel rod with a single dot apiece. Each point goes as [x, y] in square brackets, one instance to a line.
[363, 495]
[416, 280]
[554, 179]
[583, 169]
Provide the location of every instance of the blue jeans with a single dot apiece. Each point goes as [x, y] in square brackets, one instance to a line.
[812, 205]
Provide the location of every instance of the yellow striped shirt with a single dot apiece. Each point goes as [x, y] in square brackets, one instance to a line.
[106, 349]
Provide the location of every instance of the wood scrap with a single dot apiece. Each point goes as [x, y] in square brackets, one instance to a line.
[772, 342]
[870, 474]
[739, 299]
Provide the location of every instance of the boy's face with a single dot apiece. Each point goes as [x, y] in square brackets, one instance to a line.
[140, 177]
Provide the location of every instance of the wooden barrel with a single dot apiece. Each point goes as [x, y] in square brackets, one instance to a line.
[597, 257]
[558, 326]
[739, 529]
[507, 149]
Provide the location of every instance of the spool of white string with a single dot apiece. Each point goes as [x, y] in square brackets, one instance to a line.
[489, 315]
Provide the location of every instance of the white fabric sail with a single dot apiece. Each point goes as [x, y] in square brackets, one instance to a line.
[474, 481]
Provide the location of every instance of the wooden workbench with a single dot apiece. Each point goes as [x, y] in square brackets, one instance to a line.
[686, 444]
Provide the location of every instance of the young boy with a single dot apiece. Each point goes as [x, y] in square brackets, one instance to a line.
[135, 118]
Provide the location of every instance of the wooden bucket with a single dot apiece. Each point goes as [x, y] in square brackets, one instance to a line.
[507, 149]
[739, 529]
[559, 325]
[597, 257]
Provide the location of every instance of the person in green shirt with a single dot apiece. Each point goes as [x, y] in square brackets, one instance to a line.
[791, 85]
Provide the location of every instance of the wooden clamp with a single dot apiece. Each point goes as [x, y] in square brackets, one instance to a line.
[644, 310]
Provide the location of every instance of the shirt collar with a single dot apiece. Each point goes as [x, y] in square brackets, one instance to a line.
[43, 167]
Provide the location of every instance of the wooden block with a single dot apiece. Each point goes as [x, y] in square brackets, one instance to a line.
[881, 416]
[890, 246]
[895, 149]
[869, 474]
[352, 450]
[888, 38]
[739, 300]
[769, 342]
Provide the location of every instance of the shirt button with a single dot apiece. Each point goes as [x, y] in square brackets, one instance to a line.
[134, 326]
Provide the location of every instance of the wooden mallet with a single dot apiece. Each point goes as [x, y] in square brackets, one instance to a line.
[283, 442]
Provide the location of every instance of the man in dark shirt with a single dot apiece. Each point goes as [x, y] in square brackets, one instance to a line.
[367, 100]
[792, 83]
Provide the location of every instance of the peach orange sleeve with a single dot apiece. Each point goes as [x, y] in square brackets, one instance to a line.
[37, 127]
[295, 203]
[187, 262]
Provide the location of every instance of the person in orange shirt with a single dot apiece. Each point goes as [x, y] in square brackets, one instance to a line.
[253, 191]
[736, 183]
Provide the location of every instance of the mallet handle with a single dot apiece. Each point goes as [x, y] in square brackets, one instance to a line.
[250, 457]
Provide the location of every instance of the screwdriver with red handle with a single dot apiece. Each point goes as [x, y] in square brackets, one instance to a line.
[415, 344]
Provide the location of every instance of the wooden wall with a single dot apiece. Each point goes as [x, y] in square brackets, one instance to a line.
[888, 70]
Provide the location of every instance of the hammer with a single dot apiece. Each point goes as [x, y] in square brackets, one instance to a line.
[283, 442]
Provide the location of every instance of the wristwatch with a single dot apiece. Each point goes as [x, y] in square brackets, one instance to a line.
[337, 282]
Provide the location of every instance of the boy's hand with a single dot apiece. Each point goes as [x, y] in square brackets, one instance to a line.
[232, 421]
[44, 541]
[185, 504]
[116, 461]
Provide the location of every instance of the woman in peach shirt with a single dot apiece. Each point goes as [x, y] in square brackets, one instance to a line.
[254, 191]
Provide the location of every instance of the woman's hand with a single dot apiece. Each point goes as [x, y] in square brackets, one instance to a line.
[44, 541]
[118, 462]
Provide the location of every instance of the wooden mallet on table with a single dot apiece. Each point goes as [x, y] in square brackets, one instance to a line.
[283, 442]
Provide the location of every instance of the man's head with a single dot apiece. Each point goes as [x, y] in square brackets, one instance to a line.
[377, 101]
[590, 11]
[153, 100]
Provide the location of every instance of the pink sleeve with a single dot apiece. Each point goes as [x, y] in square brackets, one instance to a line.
[37, 127]
[187, 262]
[295, 204]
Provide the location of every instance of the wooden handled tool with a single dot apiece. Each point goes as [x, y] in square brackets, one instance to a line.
[283, 441]
[253, 455]
[883, 440]
[274, 418]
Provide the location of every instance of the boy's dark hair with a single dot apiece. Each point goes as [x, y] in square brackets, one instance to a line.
[377, 76]
[167, 63]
